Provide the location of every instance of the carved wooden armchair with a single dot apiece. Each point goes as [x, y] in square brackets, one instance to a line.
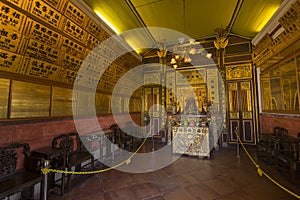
[19, 172]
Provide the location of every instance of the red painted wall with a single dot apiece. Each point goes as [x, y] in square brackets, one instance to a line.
[289, 122]
[40, 134]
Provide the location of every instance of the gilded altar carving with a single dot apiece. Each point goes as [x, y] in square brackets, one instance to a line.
[191, 77]
[241, 71]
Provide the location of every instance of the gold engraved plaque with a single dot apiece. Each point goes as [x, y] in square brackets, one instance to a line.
[75, 14]
[11, 18]
[105, 85]
[73, 48]
[9, 61]
[107, 52]
[87, 81]
[91, 41]
[94, 28]
[43, 34]
[120, 71]
[37, 68]
[104, 36]
[10, 40]
[29, 100]
[74, 30]
[68, 76]
[71, 62]
[57, 4]
[46, 13]
[41, 51]
[241, 71]
[17, 2]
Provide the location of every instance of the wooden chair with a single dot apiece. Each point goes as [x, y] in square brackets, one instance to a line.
[75, 155]
[287, 160]
[266, 146]
[64, 143]
[120, 137]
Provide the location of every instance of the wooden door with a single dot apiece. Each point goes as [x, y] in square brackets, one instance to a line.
[241, 112]
[153, 108]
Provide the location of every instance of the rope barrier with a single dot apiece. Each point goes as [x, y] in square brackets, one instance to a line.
[46, 170]
[260, 171]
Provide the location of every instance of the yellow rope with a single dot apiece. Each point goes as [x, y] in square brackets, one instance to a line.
[261, 172]
[48, 170]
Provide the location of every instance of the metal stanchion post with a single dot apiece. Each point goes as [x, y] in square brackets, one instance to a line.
[237, 143]
[45, 189]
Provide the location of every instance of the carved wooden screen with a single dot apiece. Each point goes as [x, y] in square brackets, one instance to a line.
[280, 86]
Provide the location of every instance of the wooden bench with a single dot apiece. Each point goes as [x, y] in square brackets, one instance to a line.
[287, 157]
[266, 146]
[281, 151]
[14, 180]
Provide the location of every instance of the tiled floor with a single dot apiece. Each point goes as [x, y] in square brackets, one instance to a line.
[224, 176]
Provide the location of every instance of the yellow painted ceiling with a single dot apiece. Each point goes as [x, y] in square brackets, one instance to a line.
[194, 18]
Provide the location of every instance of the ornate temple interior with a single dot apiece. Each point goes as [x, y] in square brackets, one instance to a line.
[157, 99]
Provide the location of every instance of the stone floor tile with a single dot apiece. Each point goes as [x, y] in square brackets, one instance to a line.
[144, 190]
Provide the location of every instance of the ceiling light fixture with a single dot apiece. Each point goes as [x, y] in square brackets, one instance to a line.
[182, 52]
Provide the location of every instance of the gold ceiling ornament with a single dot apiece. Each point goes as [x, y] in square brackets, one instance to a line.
[162, 53]
[221, 39]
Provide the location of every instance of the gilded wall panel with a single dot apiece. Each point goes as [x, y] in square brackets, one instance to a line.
[102, 103]
[4, 88]
[266, 95]
[289, 85]
[29, 100]
[83, 102]
[213, 87]
[61, 101]
[170, 91]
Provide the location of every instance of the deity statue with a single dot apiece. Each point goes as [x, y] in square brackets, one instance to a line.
[191, 106]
